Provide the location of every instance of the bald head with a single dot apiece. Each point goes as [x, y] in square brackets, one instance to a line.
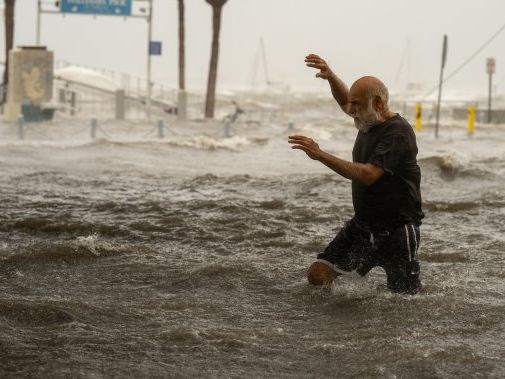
[370, 88]
[368, 102]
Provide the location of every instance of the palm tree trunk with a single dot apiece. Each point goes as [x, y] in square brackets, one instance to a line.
[182, 53]
[211, 83]
[9, 42]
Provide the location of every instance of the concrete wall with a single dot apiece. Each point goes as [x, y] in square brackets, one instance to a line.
[30, 79]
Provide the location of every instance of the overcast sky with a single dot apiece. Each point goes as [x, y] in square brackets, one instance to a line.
[396, 40]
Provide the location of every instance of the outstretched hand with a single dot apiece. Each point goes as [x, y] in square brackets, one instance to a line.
[313, 60]
[306, 144]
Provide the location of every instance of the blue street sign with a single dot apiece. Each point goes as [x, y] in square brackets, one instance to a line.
[155, 48]
[103, 7]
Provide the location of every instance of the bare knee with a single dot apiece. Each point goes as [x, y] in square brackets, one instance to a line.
[320, 274]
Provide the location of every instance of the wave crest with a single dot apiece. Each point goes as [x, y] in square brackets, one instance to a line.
[89, 247]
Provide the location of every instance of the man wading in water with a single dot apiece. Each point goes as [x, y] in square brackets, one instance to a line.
[386, 192]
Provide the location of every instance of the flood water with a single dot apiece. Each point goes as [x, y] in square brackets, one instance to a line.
[132, 256]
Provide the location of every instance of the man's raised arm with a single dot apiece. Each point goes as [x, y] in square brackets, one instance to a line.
[338, 88]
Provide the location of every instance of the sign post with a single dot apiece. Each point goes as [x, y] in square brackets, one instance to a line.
[121, 8]
[490, 68]
[149, 38]
[444, 58]
[38, 21]
[155, 47]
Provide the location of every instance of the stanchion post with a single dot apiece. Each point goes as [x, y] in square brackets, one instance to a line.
[120, 104]
[471, 119]
[73, 103]
[94, 126]
[227, 127]
[182, 105]
[21, 127]
[419, 117]
[161, 128]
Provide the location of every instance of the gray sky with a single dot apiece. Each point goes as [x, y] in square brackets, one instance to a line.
[357, 38]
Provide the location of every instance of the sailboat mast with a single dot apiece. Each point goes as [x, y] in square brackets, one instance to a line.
[264, 56]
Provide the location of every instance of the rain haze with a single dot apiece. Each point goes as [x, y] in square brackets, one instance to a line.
[398, 41]
[253, 223]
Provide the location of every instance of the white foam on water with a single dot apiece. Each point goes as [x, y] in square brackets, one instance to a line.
[314, 132]
[455, 159]
[89, 243]
[207, 143]
[352, 285]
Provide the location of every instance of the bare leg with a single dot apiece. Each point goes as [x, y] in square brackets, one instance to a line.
[320, 274]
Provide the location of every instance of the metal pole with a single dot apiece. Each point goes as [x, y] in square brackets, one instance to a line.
[419, 117]
[471, 119]
[489, 98]
[439, 99]
[444, 57]
[227, 127]
[73, 103]
[38, 21]
[94, 125]
[149, 37]
[161, 126]
[21, 126]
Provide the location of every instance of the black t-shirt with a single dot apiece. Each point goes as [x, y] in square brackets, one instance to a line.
[395, 198]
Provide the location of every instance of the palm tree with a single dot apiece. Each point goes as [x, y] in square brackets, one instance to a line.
[9, 41]
[217, 6]
[182, 62]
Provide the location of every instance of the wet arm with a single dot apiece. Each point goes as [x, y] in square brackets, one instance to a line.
[364, 173]
[339, 91]
[338, 88]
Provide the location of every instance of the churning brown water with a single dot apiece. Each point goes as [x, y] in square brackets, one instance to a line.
[186, 256]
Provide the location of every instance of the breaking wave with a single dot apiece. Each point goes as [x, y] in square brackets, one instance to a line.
[453, 165]
[82, 248]
[207, 143]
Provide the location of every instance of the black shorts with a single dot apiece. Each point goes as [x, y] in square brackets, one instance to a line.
[355, 248]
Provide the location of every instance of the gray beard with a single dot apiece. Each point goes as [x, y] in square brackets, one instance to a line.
[367, 120]
[362, 127]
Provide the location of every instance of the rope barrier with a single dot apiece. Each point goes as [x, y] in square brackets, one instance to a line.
[32, 130]
[107, 135]
[81, 130]
[149, 133]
